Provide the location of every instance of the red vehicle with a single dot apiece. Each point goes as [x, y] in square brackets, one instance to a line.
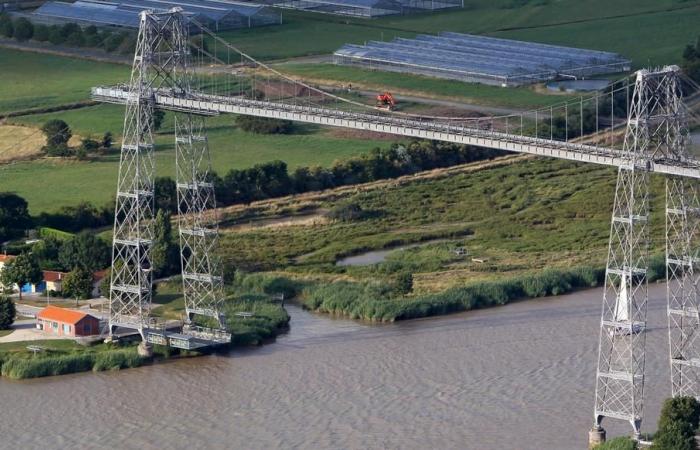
[386, 101]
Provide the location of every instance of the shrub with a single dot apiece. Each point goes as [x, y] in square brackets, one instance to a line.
[75, 39]
[346, 212]
[403, 284]
[619, 443]
[262, 125]
[24, 30]
[7, 29]
[41, 33]
[57, 132]
[117, 359]
[677, 424]
[55, 35]
[18, 368]
[112, 41]
[61, 150]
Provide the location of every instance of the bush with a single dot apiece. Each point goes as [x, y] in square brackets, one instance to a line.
[7, 312]
[75, 39]
[112, 41]
[677, 424]
[55, 35]
[117, 359]
[7, 29]
[41, 33]
[346, 212]
[262, 125]
[619, 443]
[24, 30]
[18, 368]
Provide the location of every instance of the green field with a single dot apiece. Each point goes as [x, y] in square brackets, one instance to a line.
[652, 31]
[519, 218]
[530, 228]
[31, 80]
[48, 184]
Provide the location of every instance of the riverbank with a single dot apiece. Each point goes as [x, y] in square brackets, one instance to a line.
[267, 320]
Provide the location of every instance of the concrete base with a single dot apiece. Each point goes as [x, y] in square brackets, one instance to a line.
[145, 350]
[596, 437]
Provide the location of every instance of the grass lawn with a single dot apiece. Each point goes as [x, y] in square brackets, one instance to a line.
[4, 333]
[31, 80]
[62, 345]
[48, 184]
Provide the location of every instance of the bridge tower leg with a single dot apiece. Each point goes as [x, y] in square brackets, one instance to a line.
[682, 219]
[130, 284]
[160, 51]
[201, 277]
[650, 136]
[682, 226]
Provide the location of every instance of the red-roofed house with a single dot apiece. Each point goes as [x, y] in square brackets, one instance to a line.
[53, 280]
[67, 322]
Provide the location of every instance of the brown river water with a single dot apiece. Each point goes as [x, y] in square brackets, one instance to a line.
[515, 377]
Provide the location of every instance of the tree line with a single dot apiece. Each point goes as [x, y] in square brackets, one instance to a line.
[70, 34]
[273, 179]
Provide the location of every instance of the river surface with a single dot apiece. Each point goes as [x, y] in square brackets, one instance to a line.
[515, 377]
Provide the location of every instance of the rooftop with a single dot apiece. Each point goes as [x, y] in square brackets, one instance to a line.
[61, 315]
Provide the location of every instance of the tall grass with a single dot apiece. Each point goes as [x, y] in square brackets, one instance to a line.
[372, 301]
[117, 359]
[18, 368]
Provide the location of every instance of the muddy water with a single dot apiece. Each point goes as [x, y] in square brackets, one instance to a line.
[516, 377]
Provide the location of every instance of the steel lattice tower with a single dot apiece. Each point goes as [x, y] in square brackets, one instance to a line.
[621, 357]
[202, 281]
[160, 65]
[682, 226]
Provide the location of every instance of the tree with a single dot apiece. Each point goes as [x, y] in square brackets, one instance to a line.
[86, 251]
[78, 284]
[164, 252]
[158, 117]
[22, 270]
[165, 192]
[24, 30]
[112, 41]
[76, 39]
[89, 145]
[41, 33]
[55, 35]
[677, 424]
[7, 312]
[105, 283]
[107, 140]
[57, 132]
[46, 252]
[7, 29]
[14, 216]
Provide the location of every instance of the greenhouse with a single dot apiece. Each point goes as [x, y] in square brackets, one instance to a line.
[215, 14]
[367, 8]
[481, 59]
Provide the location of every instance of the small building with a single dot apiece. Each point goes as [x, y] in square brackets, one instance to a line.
[66, 322]
[53, 281]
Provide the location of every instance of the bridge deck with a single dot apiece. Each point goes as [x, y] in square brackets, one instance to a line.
[213, 105]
